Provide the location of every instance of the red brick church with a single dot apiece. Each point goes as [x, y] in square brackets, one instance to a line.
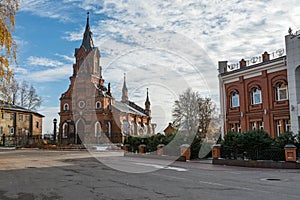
[89, 113]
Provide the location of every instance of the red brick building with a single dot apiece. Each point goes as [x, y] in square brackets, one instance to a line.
[88, 111]
[254, 94]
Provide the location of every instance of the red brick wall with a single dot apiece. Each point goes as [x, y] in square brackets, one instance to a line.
[267, 112]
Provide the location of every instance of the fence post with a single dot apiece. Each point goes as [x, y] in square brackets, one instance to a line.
[160, 149]
[142, 148]
[216, 151]
[126, 147]
[185, 151]
[290, 153]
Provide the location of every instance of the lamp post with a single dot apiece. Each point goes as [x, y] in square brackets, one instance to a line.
[54, 131]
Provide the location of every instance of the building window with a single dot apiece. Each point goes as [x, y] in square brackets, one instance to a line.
[12, 130]
[278, 127]
[98, 105]
[20, 117]
[253, 125]
[66, 106]
[239, 128]
[37, 124]
[235, 101]
[19, 131]
[1, 129]
[126, 127]
[12, 116]
[108, 129]
[98, 129]
[65, 130]
[287, 124]
[260, 125]
[2, 115]
[27, 118]
[256, 96]
[281, 92]
[231, 127]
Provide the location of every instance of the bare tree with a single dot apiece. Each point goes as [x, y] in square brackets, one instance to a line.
[34, 101]
[193, 112]
[28, 97]
[19, 94]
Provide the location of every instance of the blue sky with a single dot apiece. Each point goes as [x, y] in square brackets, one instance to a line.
[165, 46]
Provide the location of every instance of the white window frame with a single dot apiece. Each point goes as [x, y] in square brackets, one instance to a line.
[235, 100]
[261, 125]
[98, 103]
[278, 127]
[98, 132]
[66, 107]
[256, 92]
[239, 128]
[12, 130]
[287, 124]
[279, 89]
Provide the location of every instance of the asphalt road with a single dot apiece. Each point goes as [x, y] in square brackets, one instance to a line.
[41, 174]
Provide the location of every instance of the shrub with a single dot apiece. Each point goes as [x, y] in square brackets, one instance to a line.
[284, 139]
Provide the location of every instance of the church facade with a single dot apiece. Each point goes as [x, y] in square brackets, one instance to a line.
[89, 113]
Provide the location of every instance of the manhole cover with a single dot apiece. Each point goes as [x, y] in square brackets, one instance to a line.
[271, 179]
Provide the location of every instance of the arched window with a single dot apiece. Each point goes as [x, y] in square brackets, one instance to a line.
[234, 100]
[256, 96]
[64, 130]
[126, 129]
[98, 129]
[98, 105]
[133, 127]
[108, 129]
[281, 92]
[66, 106]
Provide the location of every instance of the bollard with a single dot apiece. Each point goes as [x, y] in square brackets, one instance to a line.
[290, 153]
[160, 149]
[216, 151]
[185, 151]
[126, 147]
[142, 148]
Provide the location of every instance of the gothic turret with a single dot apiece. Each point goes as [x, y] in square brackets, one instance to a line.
[124, 90]
[147, 105]
[87, 41]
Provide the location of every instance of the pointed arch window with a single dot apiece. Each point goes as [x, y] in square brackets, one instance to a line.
[65, 130]
[66, 106]
[256, 96]
[281, 92]
[234, 100]
[98, 105]
[98, 129]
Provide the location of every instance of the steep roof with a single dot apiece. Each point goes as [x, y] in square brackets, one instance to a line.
[87, 41]
[126, 108]
[11, 107]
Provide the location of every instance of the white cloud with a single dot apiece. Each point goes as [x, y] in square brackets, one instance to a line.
[55, 74]
[39, 61]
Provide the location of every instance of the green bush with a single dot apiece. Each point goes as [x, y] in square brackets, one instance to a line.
[256, 139]
[172, 147]
[286, 138]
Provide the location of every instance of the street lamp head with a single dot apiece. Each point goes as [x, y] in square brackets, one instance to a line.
[54, 120]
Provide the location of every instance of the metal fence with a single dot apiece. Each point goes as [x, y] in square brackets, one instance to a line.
[275, 154]
[11, 140]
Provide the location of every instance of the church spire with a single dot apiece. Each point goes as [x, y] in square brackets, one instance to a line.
[87, 41]
[147, 104]
[124, 90]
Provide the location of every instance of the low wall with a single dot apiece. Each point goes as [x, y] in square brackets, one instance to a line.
[257, 163]
[162, 157]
